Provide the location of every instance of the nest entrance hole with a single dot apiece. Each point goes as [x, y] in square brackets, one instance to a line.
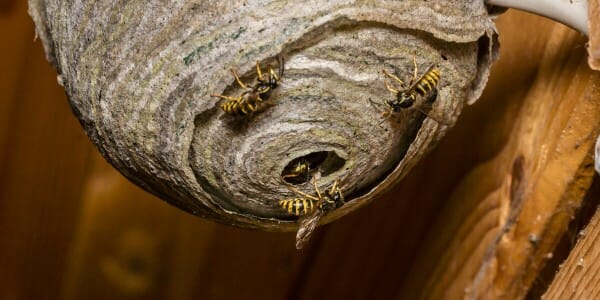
[301, 169]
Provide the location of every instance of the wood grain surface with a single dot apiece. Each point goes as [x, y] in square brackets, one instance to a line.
[594, 28]
[577, 276]
[477, 217]
[504, 219]
[44, 159]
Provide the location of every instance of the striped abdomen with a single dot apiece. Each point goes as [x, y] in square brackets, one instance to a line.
[427, 82]
[234, 108]
[242, 106]
[298, 206]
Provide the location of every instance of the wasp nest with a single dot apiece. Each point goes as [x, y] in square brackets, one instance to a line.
[139, 75]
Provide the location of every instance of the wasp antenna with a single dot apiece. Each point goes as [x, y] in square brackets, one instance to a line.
[314, 182]
[299, 192]
[225, 97]
[415, 72]
[259, 71]
[237, 78]
[334, 186]
[390, 88]
[390, 75]
[272, 73]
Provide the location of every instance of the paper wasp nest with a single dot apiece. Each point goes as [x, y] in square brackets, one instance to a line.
[139, 75]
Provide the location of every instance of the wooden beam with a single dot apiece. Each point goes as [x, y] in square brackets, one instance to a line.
[504, 219]
[594, 43]
[577, 277]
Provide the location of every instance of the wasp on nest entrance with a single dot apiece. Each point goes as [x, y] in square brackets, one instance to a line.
[301, 169]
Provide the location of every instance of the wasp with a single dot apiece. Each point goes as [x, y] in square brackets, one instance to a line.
[311, 208]
[417, 94]
[249, 101]
[300, 172]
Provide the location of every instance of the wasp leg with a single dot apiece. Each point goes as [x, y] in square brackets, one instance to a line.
[239, 81]
[259, 72]
[386, 115]
[272, 73]
[259, 99]
[335, 184]
[301, 193]
[390, 88]
[288, 176]
[334, 187]
[314, 182]
[226, 97]
[243, 110]
[415, 72]
[245, 104]
[307, 177]
[339, 190]
[388, 74]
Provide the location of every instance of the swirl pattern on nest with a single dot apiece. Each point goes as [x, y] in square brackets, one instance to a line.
[139, 75]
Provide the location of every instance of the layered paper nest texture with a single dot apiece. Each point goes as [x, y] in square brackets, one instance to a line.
[139, 75]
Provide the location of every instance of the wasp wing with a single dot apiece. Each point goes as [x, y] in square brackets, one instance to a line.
[426, 107]
[307, 225]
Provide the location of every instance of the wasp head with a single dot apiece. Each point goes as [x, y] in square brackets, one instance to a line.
[403, 101]
[335, 194]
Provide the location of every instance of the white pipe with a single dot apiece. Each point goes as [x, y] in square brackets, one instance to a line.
[573, 13]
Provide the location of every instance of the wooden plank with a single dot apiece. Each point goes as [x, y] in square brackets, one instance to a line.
[387, 236]
[594, 26]
[7, 7]
[502, 222]
[151, 250]
[578, 276]
[16, 30]
[250, 264]
[138, 253]
[43, 158]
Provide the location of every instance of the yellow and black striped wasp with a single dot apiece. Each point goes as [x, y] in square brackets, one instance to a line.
[298, 173]
[251, 99]
[310, 208]
[421, 91]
